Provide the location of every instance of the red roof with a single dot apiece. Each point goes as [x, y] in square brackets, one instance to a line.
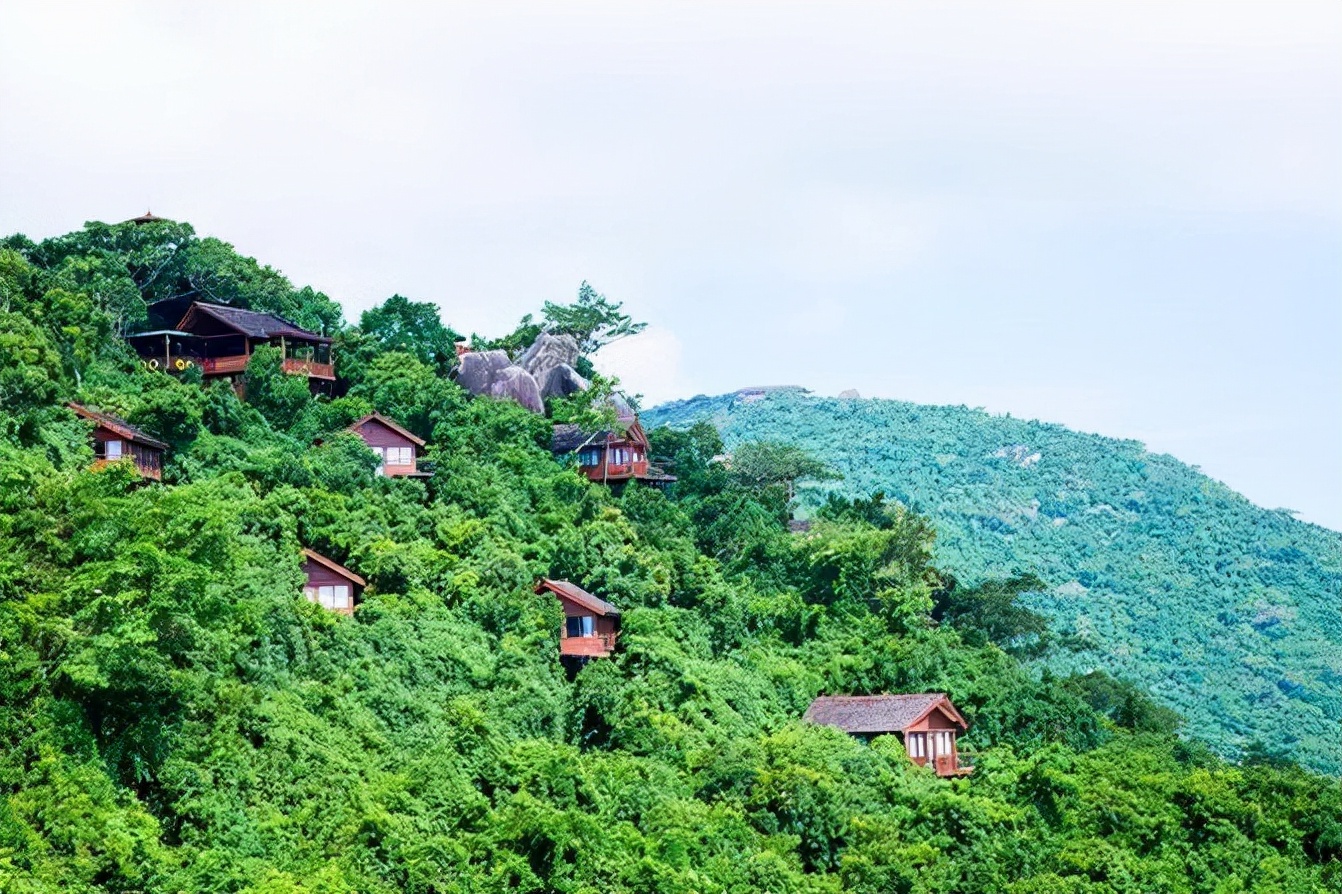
[879, 713]
[334, 566]
[118, 426]
[383, 420]
[574, 593]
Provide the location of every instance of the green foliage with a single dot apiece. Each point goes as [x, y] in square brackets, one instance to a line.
[763, 464]
[174, 716]
[279, 397]
[1225, 612]
[592, 319]
[404, 326]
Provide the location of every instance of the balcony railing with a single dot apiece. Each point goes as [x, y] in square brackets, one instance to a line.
[596, 646]
[294, 366]
[954, 765]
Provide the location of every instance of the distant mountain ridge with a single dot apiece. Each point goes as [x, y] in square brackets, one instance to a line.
[1228, 612]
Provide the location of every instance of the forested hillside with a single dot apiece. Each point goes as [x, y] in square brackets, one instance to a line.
[176, 716]
[1230, 613]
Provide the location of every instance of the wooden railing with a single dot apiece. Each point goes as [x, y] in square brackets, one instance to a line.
[310, 368]
[596, 646]
[954, 765]
[237, 363]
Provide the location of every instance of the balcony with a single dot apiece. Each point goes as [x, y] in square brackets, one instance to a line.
[237, 363]
[598, 645]
[954, 764]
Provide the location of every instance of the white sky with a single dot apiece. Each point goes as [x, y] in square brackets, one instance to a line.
[1123, 217]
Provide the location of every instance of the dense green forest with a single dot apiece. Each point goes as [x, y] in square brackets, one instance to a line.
[174, 716]
[1227, 612]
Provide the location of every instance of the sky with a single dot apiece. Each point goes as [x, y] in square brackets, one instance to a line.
[1121, 217]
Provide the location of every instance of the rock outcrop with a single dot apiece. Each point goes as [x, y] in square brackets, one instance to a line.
[849, 394]
[544, 370]
[517, 384]
[478, 370]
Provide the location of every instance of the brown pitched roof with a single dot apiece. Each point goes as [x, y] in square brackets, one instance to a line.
[118, 426]
[878, 713]
[565, 590]
[252, 323]
[378, 417]
[334, 566]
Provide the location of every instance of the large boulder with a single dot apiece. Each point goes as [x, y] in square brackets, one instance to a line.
[517, 384]
[548, 352]
[561, 381]
[479, 370]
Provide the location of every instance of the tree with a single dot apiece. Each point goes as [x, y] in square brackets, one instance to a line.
[594, 320]
[991, 612]
[279, 397]
[412, 327]
[762, 464]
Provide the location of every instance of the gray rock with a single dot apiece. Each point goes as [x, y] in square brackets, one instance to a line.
[849, 394]
[515, 383]
[547, 352]
[623, 412]
[561, 381]
[480, 369]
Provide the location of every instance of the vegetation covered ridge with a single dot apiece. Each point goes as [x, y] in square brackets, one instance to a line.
[176, 716]
[1225, 611]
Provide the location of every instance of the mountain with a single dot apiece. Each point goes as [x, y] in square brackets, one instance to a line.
[1227, 612]
[242, 653]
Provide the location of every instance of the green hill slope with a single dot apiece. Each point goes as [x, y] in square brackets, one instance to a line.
[176, 716]
[1230, 613]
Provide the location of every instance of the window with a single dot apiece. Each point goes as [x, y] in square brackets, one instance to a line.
[916, 745]
[589, 457]
[334, 597]
[583, 625]
[111, 449]
[400, 456]
[943, 743]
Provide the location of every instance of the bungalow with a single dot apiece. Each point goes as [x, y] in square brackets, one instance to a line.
[591, 625]
[927, 724]
[330, 584]
[397, 449]
[220, 340]
[613, 457]
[115, 440]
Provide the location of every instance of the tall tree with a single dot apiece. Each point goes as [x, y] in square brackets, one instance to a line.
[593, 319]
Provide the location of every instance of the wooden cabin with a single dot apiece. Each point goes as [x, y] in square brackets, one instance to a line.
[220, 340]
[116, 440]
[330, 584]
[398, 450]
[591, 625]
[927, 724]
[613, 457]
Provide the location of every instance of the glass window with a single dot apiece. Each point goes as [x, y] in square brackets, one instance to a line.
[588, 625]
[915, 745]
[589, 457]
[334, 596]
[573, 626]
[400, 456]
[113, 449]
